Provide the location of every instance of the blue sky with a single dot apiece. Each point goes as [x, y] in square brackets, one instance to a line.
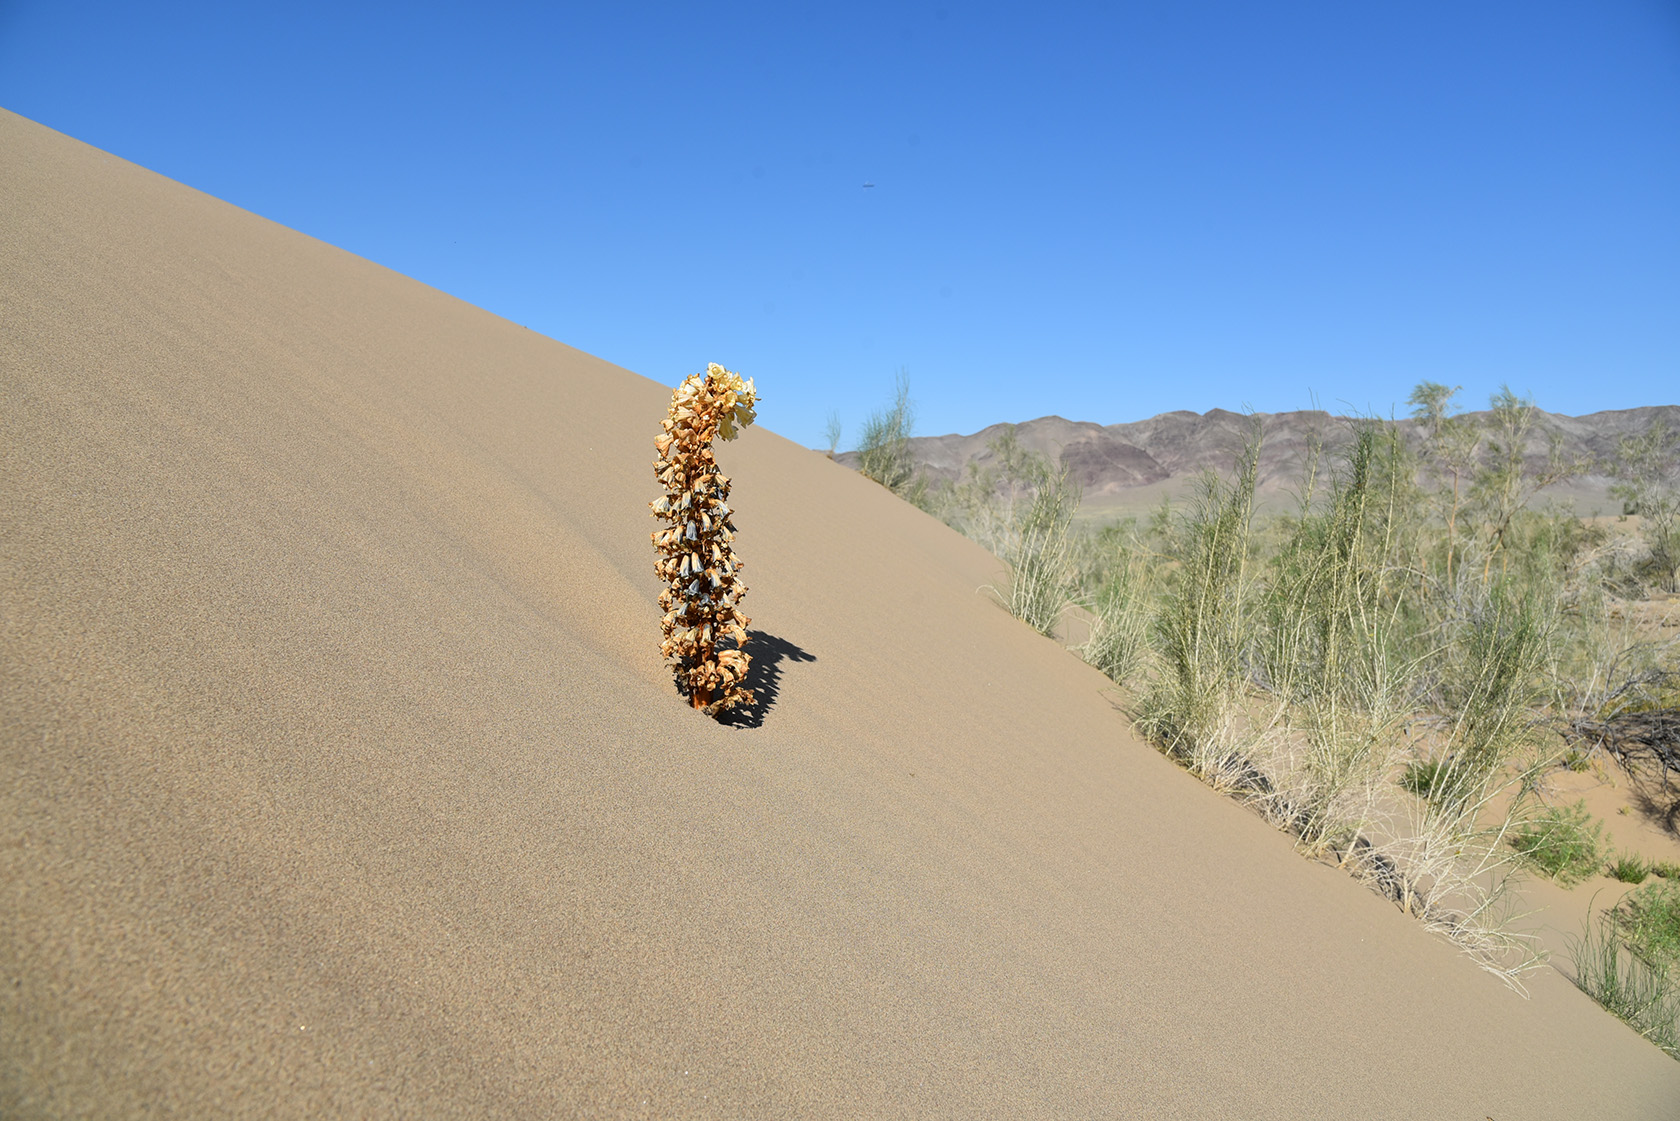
[1100, 211]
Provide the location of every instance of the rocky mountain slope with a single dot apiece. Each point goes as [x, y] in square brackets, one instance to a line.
[1124, 467]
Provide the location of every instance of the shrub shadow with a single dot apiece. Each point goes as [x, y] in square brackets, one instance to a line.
[764, 677]
[1656, 799]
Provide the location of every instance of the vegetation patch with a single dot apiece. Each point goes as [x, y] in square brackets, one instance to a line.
[1564, 842]
[1426, 778]
[1643, 995]
[1629, 868]
[1648, 921]
[1417, 617]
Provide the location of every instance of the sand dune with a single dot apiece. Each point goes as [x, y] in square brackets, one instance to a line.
[343, 777]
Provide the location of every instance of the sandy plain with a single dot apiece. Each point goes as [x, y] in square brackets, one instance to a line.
[342, 777]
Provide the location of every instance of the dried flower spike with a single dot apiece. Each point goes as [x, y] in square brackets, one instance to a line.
[701, 573]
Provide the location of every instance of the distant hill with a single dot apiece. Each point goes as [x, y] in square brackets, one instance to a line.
[1125, 468]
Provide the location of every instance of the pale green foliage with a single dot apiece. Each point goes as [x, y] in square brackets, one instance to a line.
[1451, 447]
[1647, 470]
[1504, 482]
[1630, 868]
[1326, 647]
[1041, 578]
[884, 448]
[1565, 842]
[1297, 660]
[1119, 639]
[1201, 628]
[990, 505]
[1644, 995]
[832, 432]
[1491, 680]
[1648, 920]
[1021, 509]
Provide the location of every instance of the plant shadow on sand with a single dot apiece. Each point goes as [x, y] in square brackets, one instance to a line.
[1657, 800]
[764, 677]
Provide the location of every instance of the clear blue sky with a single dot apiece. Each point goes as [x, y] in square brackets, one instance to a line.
[1104, 211]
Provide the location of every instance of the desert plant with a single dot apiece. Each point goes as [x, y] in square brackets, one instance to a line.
[1648, 920]
[1119, 640]
[1504, 484]
[991, 505]
[1325, 647]
[1641, 994]
[1492, 668]
[1629, 868]
[884, 448]
[1451, 446]
[1667, 869]
[1021, 509]
[1457, 877]
[1576, 760]
[1040, 565]
[1279, 658]
[1427, 778]
[832, 432]
[1647, 469]
[1201, 628]
[704, 629]
[1564, 842]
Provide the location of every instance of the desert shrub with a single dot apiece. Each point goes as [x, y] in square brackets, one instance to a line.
[1451, 447]
[1492, 675]
[1564, 842]
[1329, 590]
[1667, 869]
[1648, 920]
[1505, 482]
[1021, 509]
[1647, 469]
[1119, 639]
[1200, 630]
[832, 431]
[1427, 778]
[1041, 577]
[1643, 995]
[1325, 645]
[1279, 656]
[991, 503]
[1628, 868]
[884, 447]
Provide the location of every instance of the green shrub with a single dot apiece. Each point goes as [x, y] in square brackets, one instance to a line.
[1577, 760]
[1644, 996]
[884, 448]
[1648, 920]
[1667, 869]
[1119, 623]
[1629, 869]
[1041, 572]
[1495, 663]
[1426, 778]
[1564, 842]
[1201, 629]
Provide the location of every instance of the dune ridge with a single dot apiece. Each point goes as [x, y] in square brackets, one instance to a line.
[345, 777]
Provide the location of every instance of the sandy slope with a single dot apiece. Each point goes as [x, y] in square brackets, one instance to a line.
[342, 776]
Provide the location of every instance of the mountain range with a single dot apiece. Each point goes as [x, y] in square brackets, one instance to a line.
[1124, 468]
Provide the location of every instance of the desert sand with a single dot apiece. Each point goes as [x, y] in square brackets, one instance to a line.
[343, 777]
